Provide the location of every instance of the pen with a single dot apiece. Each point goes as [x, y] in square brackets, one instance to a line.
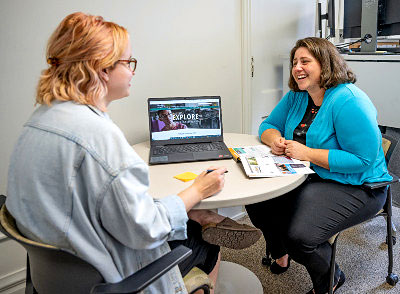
[211, 170]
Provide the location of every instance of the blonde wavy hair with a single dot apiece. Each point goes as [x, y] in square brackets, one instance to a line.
[80, 48]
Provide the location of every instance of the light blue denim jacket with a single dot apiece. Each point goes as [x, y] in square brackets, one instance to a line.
[76, 183]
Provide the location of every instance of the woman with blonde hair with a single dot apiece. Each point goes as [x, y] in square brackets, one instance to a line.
[75, 182]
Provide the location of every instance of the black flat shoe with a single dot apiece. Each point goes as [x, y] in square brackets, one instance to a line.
[277, 269]
[342, 279]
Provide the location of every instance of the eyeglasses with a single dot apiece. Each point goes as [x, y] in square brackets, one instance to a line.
[131, 63]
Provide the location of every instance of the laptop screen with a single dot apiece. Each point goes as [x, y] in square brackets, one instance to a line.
[184, 118]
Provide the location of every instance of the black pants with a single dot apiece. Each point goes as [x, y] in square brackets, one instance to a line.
[301, 222]
[204, 255]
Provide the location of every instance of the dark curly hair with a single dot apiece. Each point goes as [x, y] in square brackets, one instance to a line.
[334, 70]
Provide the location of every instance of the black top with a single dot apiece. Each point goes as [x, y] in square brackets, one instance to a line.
[299, 133]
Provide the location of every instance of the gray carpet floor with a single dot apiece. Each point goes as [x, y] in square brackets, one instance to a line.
[361, 254]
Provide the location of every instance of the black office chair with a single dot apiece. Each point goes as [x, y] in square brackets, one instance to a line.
[51, 270]
[388, 144]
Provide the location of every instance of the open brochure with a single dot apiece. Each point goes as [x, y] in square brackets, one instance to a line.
[258, 161]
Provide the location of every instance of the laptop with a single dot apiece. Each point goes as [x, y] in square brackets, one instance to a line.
[186, 129]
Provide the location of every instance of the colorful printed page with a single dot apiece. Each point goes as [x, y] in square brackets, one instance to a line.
[258, 161]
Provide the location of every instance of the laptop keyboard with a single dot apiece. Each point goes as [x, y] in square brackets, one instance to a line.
[198, 147]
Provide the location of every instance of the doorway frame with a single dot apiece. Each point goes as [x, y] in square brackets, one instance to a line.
[246, 66]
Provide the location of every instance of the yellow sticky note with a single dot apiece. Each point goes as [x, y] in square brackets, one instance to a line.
[185, 177]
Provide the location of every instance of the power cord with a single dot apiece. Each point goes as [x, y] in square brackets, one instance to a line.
[367, 39]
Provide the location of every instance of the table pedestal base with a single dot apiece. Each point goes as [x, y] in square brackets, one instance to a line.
[236, 279]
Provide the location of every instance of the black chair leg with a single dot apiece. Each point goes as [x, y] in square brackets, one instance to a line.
[333, 265]
[391, 278]
[267, 260]
[29, 289]
[393, 230]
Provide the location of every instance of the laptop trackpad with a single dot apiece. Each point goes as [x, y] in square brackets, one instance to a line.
[180, 157]
[207, 155]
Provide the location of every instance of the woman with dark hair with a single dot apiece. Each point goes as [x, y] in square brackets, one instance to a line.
[326, 120]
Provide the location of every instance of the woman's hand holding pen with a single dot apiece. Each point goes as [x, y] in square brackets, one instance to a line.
[210, 181]
[205, 185]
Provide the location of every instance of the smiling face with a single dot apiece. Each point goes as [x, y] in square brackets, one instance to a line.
[306, 70]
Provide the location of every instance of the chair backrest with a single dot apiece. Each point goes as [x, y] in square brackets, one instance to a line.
[393, 163]
[52, 270]
[388, 144]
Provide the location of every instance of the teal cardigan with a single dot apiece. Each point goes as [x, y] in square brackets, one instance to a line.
[346, 125]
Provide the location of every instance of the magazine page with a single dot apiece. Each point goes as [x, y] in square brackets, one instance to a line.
[258, 161]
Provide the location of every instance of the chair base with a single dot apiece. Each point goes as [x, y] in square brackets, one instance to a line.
[392, 279]
[236, 279]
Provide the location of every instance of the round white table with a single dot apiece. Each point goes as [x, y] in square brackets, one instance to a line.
[238, 189]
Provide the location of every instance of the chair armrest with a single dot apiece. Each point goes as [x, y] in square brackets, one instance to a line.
[372, 186]
[145, 276]
[2, 202]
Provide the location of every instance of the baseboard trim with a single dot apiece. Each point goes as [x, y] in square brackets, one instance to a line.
[12, 280]
[3, 237]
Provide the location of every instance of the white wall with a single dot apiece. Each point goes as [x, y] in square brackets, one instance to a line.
[183, 47]
[275, 27]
